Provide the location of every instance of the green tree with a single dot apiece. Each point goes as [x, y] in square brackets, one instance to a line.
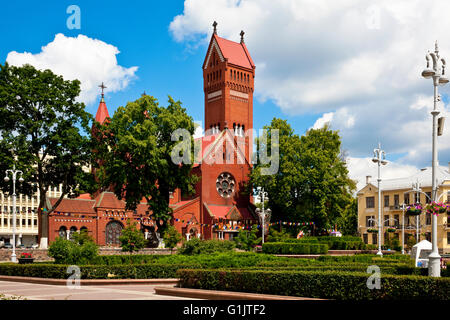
[348, 221]
[171, 237]
[131, 238]
[136, 148]
[312, 182]
[247, 239]
[41, 132]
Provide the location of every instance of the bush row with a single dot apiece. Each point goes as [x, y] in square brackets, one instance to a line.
[294, 248]
[318, 284]
[334, 243]
[144, 271]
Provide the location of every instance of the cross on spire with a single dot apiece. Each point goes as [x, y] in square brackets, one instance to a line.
[215, 27]
[103, 88]
[242, 36]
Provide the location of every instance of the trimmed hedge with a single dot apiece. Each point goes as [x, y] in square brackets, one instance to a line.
[144, 271]
[294, 248]
[334, 243]
[318, 284]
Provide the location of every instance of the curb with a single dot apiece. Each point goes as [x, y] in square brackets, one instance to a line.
[221, 295]
[89, 282]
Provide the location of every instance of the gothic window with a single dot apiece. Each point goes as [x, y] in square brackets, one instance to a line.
[225, 184]
[231, 74]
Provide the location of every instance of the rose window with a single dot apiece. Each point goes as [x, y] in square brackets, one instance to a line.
[225, 184]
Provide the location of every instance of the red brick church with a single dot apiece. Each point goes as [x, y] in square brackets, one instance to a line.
[220, 206]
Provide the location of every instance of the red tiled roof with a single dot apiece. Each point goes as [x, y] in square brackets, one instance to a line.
[235, 52]
[222, 212]
[109, 200]
[74, 205]
[102, 112]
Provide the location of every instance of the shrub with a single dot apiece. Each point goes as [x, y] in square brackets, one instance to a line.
[247, 239]
[317, 284]
[294, 248]
[69, 252]
[131, 239]
[197, 246]
[171, 237]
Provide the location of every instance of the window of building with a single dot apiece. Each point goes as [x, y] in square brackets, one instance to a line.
[374, 238]
[386, 220]
[386, 201]
[448, 237]
[396, 200]
[428, 219]
[406, 198]
[370, 221]
[366, 238]
[370, 202]
[428, 199]
[396, 220]
[428, 236]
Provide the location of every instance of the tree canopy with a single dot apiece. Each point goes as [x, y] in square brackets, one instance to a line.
[312, 182]
[42, 134]
[135, 147]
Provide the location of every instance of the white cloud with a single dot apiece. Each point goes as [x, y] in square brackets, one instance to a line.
[359, 168]
[325, 119]
[89, 60]
[354, 63]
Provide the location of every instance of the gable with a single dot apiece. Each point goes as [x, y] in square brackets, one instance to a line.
[213, 46]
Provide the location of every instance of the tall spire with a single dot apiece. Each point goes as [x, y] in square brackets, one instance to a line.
[102, 111]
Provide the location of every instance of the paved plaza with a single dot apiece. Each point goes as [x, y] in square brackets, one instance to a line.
[32, 291]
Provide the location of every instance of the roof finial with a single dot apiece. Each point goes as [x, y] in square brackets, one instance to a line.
[242, 36]
[103, 88]
[215, 27]
[144, 94]
[436, 49]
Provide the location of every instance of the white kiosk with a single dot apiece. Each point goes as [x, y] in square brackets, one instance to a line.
[420, 252]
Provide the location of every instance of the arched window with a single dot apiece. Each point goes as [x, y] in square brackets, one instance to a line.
[113, 231]
[72, 231]
[62, 232]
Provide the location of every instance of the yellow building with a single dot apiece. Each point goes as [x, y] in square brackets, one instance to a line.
[26, 217]
[395, 193]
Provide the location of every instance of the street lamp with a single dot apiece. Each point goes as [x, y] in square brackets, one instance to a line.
[262, 213]
[14, 173]
[379, 157]
[437, 73]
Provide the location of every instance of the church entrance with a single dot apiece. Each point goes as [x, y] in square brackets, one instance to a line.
[113, 231]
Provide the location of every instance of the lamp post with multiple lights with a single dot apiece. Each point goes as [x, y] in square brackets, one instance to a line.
[379, 157]
[14, 173]
[437, 73]
[262, 213]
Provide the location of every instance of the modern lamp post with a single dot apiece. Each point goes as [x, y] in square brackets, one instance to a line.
[437, 73]
[379, 158]
[14, 173]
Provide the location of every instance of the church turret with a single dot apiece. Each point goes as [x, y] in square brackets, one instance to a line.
[228, 76]
[102, 111]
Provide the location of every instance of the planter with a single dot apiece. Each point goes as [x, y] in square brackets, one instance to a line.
[25, 260]
[372, 230]
[413, 212]
[391, 230]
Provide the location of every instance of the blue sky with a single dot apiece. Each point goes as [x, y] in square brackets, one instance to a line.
[141, 33]
[355, 65]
